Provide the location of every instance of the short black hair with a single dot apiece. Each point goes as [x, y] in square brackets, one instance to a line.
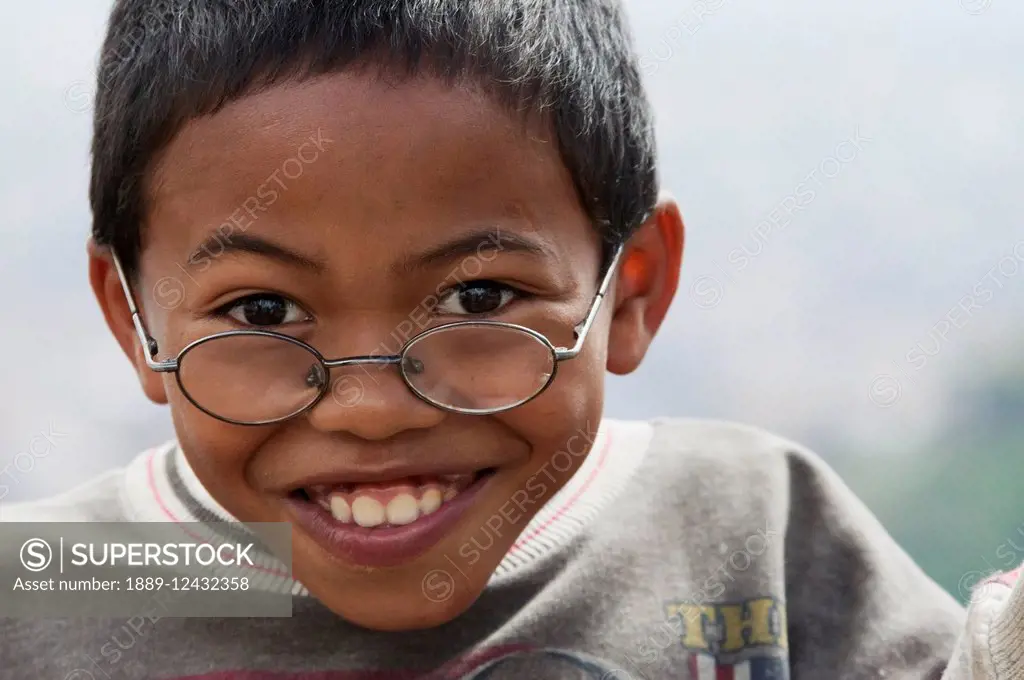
[571, 61]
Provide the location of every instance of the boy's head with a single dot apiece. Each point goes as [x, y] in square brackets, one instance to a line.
[351, 174]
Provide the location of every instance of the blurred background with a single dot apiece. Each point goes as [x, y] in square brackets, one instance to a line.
[851, 178]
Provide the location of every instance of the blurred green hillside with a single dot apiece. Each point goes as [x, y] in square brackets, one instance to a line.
[957, 505]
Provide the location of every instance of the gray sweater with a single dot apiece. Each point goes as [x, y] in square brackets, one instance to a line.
[681, 549]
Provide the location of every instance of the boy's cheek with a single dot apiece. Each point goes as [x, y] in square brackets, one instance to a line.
[219, 454]
[156, 386]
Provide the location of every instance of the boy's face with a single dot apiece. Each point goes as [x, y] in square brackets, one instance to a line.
[325, 208]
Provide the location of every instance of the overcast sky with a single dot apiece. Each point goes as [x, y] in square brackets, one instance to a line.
[848, 172]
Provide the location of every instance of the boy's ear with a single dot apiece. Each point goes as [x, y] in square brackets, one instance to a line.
[110, 295]
[646, 284]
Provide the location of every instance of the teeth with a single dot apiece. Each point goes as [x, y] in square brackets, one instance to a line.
[376, 506]
[431, 501]
[340, 509]
[403, 509]
[367, 512]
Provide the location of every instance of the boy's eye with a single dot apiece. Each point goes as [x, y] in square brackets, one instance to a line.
[476, 297]
[264, 309]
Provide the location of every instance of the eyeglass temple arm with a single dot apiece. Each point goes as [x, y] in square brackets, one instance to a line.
[148, 343]
[583, 328]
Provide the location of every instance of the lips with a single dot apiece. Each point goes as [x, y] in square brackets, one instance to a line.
[385, 523]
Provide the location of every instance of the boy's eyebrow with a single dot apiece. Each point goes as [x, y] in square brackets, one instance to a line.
[473, 243]
[215, 245]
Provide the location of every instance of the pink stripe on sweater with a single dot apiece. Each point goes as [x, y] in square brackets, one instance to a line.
[167, 511]
[603, 457]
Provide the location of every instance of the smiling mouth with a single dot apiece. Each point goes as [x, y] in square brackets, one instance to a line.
[381, 524]
[394, 503]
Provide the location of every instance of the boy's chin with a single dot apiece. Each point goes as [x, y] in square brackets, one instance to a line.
[405, 604]
[424, 593]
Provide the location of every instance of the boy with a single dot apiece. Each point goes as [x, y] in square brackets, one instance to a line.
[376, 257]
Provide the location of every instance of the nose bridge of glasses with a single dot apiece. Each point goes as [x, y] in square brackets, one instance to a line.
[350, 382]
[364, 338]
[366, 359]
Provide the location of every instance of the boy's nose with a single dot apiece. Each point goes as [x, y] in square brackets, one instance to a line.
[371, 402]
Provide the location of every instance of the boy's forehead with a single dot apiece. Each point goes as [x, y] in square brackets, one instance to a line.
[410, 160]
